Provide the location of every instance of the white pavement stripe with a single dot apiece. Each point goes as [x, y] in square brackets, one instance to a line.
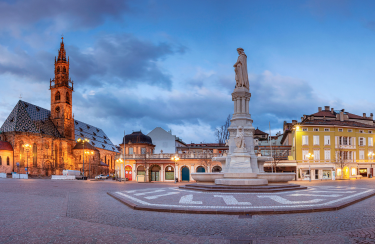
[286, 201]
[162, 195]
[146, 189]
[149, 192]
[336, 191]
[313, 195]
[230, 200]
[188, 199]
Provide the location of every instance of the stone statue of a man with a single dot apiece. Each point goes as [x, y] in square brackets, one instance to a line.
[240, 138]
[240, 67]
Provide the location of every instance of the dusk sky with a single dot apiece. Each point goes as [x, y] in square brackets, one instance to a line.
[137, 65]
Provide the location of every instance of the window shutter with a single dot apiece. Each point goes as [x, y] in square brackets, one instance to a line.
[336, 141]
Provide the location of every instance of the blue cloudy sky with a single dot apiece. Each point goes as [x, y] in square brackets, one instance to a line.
[142, 64]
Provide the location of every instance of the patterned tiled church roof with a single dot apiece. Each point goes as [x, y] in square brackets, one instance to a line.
[27, 117]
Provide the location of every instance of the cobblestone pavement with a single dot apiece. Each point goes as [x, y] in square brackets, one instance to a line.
[46, 211]
[180, 200]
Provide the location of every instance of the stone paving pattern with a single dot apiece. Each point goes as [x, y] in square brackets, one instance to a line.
[45, 211]
[181, 200]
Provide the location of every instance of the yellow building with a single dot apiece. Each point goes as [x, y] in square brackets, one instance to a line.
[333, 143]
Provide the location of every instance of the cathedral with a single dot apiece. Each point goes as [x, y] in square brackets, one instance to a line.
[45, 142]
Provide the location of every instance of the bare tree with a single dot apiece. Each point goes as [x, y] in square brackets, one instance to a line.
[340, 161]
[206, 160]
[222, 132]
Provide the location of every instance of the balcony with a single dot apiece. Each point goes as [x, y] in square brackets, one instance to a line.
[169, 155]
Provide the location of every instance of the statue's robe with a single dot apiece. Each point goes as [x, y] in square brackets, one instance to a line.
[242, 79]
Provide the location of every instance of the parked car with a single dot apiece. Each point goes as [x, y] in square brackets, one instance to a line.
[101, 177]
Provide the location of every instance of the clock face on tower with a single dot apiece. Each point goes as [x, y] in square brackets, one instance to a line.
[57, 109]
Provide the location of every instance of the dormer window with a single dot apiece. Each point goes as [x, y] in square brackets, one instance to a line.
[94, 133]
[105, 137]
[80, 129]
[12, 120]
[97, 130]
[93, 143]
[105, 141]
[37, 109]
[81, 134]
[88, 127]
[94, 138]
[103, 146]
[76, 122]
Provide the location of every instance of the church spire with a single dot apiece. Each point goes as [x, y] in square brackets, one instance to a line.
[62, 53]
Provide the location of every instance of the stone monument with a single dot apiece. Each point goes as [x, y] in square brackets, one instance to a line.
[241, 167]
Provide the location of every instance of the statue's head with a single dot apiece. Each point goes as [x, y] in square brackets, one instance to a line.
[240, 50]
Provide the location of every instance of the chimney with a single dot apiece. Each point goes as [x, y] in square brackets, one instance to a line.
[294, 122]
[341, 116]
[326, 108]
[371, 116]
[320, 109]
[332, 109]
[364, 115]
[343, 110]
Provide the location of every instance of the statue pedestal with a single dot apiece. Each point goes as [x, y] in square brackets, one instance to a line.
[241, 179]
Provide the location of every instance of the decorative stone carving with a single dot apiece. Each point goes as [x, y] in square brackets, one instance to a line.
[240, 138]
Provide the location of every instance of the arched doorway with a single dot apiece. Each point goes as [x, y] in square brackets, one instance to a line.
[169, 173]
[216, 169]
[201, 169]
[345, 172]
[155, 173]
[185, 174]
[128, 172]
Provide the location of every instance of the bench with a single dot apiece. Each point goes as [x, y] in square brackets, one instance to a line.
[356, 176]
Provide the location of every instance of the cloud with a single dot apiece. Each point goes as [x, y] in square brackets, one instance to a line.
[66, 14]
[113, 59]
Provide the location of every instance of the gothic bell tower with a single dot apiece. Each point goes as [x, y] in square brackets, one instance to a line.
[61, 96]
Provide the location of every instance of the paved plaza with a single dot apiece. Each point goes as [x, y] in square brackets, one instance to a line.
[173, 199]
[46, 211]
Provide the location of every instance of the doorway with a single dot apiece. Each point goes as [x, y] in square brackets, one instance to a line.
[128, 172]
[155, 175]
[185, 173]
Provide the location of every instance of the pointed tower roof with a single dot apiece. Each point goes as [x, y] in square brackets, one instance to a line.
[62, 53]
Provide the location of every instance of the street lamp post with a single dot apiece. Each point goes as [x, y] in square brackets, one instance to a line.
[118, 174]
[309, 156]
[175, 159]
[27, 148]
[83, 140]
[89, 153]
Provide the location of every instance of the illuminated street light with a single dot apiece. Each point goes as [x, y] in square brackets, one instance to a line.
[83, 140]
[310, 156]
[175, 159]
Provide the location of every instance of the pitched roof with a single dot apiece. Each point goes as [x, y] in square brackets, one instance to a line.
[96, 136]
[324, 113]
[4, 145]
[26, 117]
[336, 122]
[259, 132]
